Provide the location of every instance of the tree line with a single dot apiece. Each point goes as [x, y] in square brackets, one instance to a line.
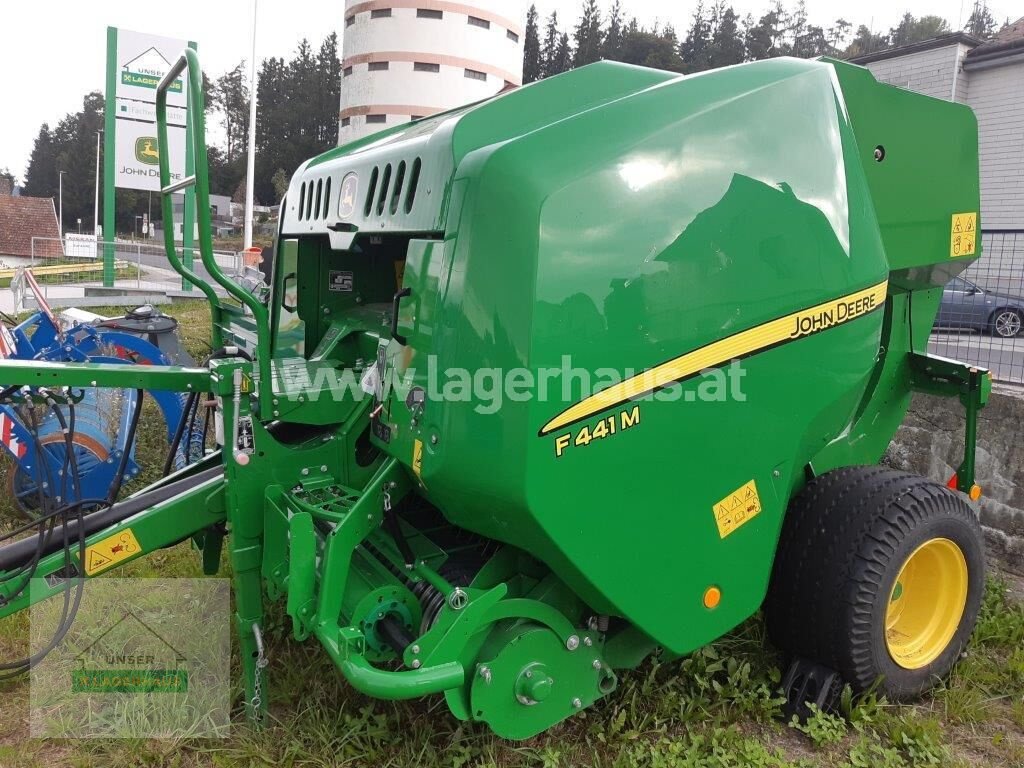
[297, 111]
[717, 36]
[297, 118]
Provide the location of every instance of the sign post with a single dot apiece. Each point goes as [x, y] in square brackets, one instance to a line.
[136, 62]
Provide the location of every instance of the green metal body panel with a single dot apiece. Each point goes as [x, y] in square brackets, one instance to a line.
[668, 213]
[642, 228]
[34, 373]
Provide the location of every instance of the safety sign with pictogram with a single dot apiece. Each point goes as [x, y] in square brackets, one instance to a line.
[736, 509]
[962, 238]
[111, 550]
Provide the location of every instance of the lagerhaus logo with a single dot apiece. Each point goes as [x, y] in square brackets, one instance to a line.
[147, 70]
[129, 656]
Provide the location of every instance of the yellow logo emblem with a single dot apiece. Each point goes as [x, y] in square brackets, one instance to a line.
[146, 150]
[349, 188]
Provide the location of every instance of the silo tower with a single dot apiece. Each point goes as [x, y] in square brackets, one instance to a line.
[404, 59]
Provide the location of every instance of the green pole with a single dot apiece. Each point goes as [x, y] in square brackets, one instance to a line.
[188, 212]
[109, 166]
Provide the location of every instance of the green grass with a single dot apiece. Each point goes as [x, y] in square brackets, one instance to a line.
[716, 708]
[125, 272]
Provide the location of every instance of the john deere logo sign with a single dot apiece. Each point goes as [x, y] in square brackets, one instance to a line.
[349, 188]
[146, 150]
[147, 70]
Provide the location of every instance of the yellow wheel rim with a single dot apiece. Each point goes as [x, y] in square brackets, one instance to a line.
[926, 603]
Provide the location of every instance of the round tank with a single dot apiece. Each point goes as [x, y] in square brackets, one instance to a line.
[405, 59]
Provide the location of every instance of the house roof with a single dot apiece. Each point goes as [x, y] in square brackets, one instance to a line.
[922, 45]
[21, 219]
[1008, 42]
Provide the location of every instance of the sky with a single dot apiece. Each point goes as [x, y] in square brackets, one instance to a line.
[67, 59]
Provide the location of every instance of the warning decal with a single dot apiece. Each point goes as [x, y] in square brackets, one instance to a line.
[962, 238]
[110, 551]
[417, 457]
[737, 508]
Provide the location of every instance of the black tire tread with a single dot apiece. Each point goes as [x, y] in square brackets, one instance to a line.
[839, 537]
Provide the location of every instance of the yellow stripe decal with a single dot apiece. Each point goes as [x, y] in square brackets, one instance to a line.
[797, 325]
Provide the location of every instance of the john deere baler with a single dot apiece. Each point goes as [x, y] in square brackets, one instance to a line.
[583, 373]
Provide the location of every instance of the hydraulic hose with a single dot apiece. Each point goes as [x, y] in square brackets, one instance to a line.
[115, 487]
[190, 405]
[16, 553]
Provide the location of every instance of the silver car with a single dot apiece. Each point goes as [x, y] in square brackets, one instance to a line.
[966, 306]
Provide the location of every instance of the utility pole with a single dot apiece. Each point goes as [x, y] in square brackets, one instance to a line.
[96, 204]
[250, 168]
[60, 204]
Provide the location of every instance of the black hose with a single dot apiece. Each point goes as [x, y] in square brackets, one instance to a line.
[73, 460]
[69, 610]
[115, 487]
[35, 523]
[192, 431]
[70, 607]
[6, 392]
[15, 553]
[206, 428]
[178, 432]
[43, 538]
[70, 467]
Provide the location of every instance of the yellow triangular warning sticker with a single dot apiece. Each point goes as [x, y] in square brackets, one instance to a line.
[96, 560]
[961, 235]
[112, 550]
[736, 509]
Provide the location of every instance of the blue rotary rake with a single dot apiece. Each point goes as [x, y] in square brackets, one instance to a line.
[78, 445]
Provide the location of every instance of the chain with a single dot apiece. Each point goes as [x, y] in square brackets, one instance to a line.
[256, 703]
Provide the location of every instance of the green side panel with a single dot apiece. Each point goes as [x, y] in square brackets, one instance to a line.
[601, 224]
[920, 157]
[623, 249]
[289, 328]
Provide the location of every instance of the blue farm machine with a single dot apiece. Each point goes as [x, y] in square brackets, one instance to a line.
[78, 445]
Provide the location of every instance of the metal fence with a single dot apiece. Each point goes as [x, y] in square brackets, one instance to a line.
[981, 319]
[141, 274]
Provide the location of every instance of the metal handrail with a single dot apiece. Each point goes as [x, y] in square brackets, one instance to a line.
[167, 206]
[189, 60]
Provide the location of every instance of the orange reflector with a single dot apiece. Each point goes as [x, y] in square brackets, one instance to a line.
[712, 597]
[974, 493]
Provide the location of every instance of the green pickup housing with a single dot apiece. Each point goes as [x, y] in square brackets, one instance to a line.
[541, 375]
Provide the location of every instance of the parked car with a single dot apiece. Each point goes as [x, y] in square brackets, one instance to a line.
[966, 306]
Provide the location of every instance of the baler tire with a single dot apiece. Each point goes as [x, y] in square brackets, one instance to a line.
[839, 573]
